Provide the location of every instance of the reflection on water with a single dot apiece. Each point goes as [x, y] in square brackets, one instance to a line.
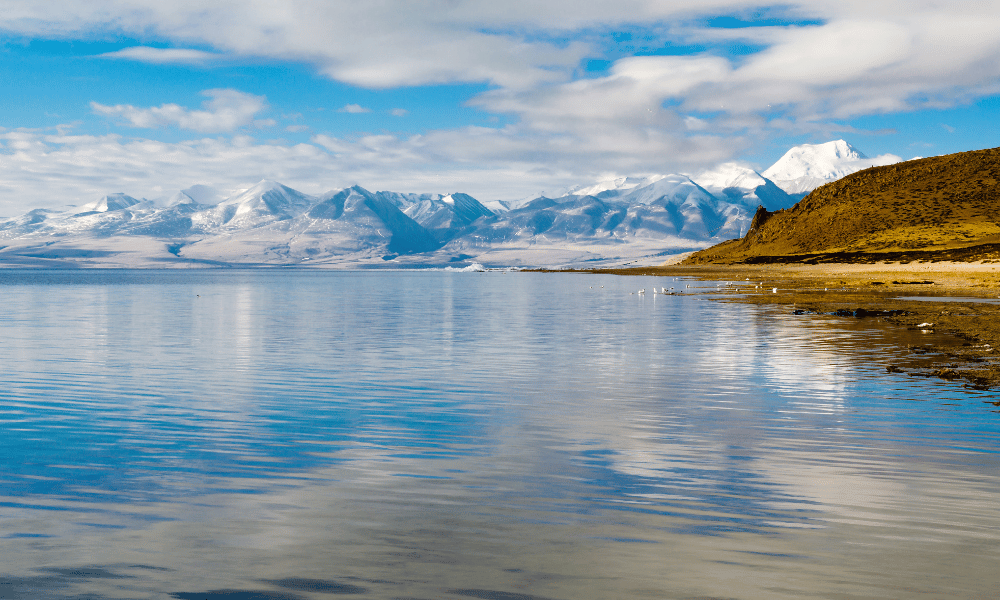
[283, 434]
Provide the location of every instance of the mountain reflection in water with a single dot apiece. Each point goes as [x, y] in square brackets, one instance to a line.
[298, 434]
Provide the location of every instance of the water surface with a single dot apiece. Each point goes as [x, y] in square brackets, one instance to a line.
[298, 434]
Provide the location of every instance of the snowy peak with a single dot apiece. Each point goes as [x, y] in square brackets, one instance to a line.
[831, 160]
[265, 202]
[742, 185]
[180, 199]
[269, 196]
[672, 189]
[617, 184]
[730, 175]
[109, 203]
[444, 216]
[806, 167]
[466, 208]
[330, 204]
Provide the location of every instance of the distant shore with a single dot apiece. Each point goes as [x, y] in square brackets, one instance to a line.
[971, 355]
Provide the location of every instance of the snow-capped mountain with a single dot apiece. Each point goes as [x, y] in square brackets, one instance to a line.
[744, 186]
[110, 202]
[616, 221]
[447, 217]
[266, 202]
[669, 210]
[804, 168]
[617, 184]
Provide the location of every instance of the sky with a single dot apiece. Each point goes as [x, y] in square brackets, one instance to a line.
[500, 99]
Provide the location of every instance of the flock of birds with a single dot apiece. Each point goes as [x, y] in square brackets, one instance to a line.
[727, 286]
[662, 291]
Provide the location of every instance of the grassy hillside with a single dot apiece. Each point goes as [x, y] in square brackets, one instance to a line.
[940, 208]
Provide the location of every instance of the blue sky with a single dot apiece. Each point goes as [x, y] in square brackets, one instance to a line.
[499, 99]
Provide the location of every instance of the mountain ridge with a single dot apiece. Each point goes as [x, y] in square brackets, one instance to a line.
[617, 221]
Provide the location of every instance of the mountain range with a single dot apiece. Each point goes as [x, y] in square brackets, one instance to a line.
[626, 220]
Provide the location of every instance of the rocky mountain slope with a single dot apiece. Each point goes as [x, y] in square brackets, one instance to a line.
[940, 207]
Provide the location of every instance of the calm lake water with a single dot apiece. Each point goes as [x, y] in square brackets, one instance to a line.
[245, 435]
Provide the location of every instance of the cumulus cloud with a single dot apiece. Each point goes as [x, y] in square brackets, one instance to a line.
[912, 51]
[399, 112]
[38, 169]
[855, 57]
[844, 58]
[226, 110]
[354, 109]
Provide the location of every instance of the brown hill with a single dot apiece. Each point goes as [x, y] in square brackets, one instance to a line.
[940, 208]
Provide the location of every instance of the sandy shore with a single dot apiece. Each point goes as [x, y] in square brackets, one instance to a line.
[968, 353]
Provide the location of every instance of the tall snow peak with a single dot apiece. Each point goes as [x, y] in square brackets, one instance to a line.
[617, 184]
[109, 203]
[269, 197]
[831, 160]
[806, 167]
[268, 190]
[179, 199]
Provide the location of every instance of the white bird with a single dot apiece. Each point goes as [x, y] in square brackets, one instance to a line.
[642, 291]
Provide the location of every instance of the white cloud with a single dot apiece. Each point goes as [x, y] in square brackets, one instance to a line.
[297, 128]
[862, 59]
[371, 44]
[647, 114]
[162, 55]
[42, 170]
[399, 112]
[355, 109]
[227, 110]
[909, 49]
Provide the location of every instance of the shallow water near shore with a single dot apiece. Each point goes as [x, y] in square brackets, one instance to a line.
[298, 434]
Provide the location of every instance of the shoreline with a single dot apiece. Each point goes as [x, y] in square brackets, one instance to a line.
[962, 302]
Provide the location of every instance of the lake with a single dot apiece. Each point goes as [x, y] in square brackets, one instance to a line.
[295, 434]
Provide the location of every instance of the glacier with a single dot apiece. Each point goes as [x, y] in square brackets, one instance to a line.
[616, 222]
